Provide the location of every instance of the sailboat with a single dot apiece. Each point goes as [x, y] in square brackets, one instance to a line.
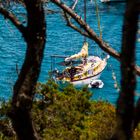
[88, 69]
[83, 73]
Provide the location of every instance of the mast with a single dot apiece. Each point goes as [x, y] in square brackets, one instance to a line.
[85, 17]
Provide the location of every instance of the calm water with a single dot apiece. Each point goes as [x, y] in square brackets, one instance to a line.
[64, 41]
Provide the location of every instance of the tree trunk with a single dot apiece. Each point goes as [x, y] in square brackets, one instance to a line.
[34, 36]
[125, 105]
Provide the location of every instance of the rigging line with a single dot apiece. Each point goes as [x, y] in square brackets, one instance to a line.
[98, 18]
[114, 77]
[85, 17]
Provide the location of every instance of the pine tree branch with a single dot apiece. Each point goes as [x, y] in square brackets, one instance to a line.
[70, 24]
[13, 19]
[74, 4]
[86, 27]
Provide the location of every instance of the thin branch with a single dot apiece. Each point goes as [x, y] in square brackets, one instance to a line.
[73, 26]
[13, 19]
[70, 24]
[74, 4]
[92, 35]
[78, 30]
[73, 7]
[86, 27]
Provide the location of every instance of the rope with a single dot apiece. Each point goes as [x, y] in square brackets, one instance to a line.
[114, 77]
[85, 13]
[98, 18]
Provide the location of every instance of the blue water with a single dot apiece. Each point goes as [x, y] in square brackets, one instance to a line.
[62, 40]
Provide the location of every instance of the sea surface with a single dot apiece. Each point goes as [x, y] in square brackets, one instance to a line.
[62, 40]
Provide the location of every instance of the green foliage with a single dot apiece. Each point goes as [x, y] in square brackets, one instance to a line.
[66, 113]
[70, 114]
[101, 122]
[137, 133]
[6, 130]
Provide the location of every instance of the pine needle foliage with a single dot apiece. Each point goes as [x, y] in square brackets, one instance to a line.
[64, 113]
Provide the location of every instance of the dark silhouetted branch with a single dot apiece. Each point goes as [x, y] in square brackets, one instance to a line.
[125, 104]
[24, 88]
[74, 4]
[13, 19]
[70, 24]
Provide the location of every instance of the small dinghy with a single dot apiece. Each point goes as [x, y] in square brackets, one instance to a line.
[105, 1]
[96, 84]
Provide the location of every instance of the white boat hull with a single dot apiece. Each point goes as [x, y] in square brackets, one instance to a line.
[91, 71]
[85, 81]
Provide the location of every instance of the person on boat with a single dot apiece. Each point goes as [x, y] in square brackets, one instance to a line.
[72, 72]
[84, 60]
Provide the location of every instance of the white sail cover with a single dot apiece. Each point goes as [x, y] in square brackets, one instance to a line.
[82, 53]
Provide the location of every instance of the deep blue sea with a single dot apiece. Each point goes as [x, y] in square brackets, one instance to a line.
[62, 40]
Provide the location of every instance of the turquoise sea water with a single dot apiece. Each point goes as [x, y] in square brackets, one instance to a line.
[62, 40]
